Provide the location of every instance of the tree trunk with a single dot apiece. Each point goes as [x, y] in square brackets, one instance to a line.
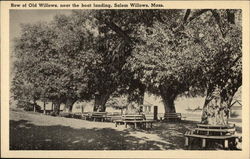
[44, 107]
[82, 108]
[100, 101]
[168, 98]
[52, 106]
[168, 102]
[34, 106]
[56, 109]
[217, 105]
[69, 105]
[141, 96]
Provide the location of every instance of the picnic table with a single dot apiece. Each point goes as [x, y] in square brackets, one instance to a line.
[212, 132]
[136, 120]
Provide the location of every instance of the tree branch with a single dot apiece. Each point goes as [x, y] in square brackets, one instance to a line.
[188, 11]
[116, 29]
[197, 14]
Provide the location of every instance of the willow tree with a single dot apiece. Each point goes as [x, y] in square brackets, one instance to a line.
[200, 50]
[32, 64]
[163, 59]
[222, 66]
[219, 39]
[54, 58]
[115, 44]
[75, 43]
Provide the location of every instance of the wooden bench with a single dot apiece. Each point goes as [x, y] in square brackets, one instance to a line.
[76, 115]
[86, 115]
[99, 115]
[212, 132]
[135, 120]
[48, 112]
[65, 114]
[113, 117]
[172, 116]
[149, 116]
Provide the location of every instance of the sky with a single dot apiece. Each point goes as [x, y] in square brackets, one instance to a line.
[18, 17]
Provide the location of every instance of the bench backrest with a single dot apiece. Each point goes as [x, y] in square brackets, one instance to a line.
[172, 115]
[99, 114]
[132, 117]
[215, 126]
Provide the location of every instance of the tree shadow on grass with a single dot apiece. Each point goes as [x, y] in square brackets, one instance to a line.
[173, 132]
[27, 136]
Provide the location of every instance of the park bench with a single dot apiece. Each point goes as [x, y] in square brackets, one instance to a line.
[86, 115]
[172, 116]
[149, 116]
[212, 132]
[102, 116]
[113, 116]
[136, 120]
[48, 112]
[77, 115]
[65, 114]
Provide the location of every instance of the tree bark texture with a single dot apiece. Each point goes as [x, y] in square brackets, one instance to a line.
[168, 98]
[217, 105]
[100, 101]
[69, 105]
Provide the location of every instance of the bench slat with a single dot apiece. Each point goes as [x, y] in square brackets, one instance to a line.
[216, 130]
[211, 137]
[215, 126]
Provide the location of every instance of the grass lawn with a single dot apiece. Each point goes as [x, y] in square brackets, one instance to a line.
[34, 131]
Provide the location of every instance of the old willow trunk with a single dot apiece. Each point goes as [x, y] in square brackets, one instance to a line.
[168, 97]
[69, 105]
[100, 101]
[217, 105]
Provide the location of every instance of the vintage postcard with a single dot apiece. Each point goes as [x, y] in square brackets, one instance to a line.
[125, 79]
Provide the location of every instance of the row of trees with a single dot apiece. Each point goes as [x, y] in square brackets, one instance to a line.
[96, 54]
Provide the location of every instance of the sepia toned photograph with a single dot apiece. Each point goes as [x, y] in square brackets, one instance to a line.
[158, 79]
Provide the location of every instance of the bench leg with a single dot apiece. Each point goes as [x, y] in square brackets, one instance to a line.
[186, 141]
[125, 125]
[135, 125]
[203, 143]
[115, 124]
[226, 144]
